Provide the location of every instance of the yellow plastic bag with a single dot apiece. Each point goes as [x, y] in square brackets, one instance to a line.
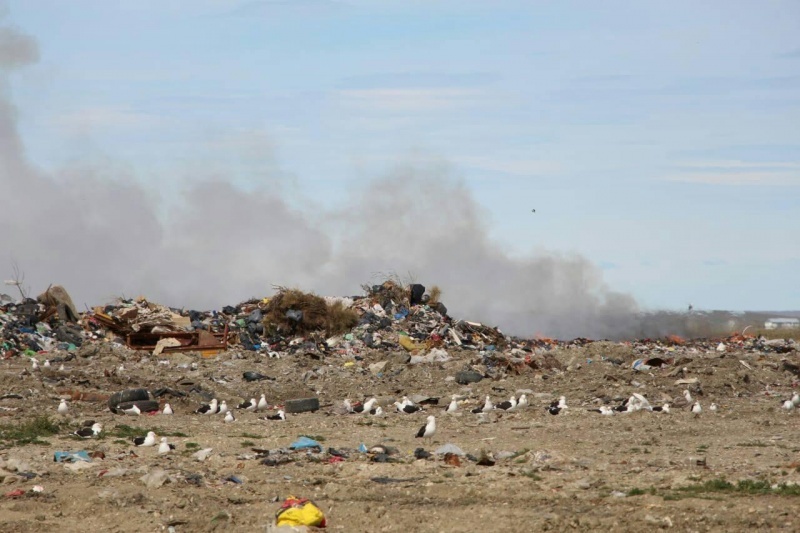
[299, 512]
[408, 344]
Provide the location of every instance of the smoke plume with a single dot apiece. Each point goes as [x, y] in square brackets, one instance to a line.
[101, 234]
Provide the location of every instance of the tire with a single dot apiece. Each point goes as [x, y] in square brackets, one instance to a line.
[130, 395]
[467, 376]
[145, 406]
[303, 405]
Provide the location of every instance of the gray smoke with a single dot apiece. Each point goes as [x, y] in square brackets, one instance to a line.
[101, 234]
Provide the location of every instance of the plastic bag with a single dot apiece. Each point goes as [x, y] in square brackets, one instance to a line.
[299, 512]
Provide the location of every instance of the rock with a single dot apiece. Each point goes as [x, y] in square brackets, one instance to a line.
[301, 405]
[398, 358]
[377, 368]
[449, 448]
[203, 454]
[468, 376]
[155, 478]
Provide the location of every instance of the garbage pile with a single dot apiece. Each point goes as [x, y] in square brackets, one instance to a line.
[45, 324]
[388, 317]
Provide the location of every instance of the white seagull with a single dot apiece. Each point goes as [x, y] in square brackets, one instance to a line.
[89, 432]
[509, 405]
[369, 404]
[453, 407]
[487, 405]
[149, 440]
[208, 409]
[428, 430]
[788, 405]
[223, 408]
[696, 409]
[248, 405]
[262, 404]
[229, 417]
[47, 363]
[167, 410]
[562, 402]
[280, 415]
[62, 407]
[796, 399]
[133, 410]
[522, 402]
[165, 447]
[713, 407]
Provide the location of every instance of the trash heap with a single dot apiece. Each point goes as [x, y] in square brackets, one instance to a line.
[45, 324]
[408, 319]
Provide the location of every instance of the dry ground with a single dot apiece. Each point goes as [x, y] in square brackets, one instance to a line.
[578, 470]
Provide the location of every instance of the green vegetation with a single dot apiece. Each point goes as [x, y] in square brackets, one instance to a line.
[192, 445]
[29, 432]
[124, 431]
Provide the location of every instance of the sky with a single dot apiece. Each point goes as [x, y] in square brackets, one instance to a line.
[203, 151]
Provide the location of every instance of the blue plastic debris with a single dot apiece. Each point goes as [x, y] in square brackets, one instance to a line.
[304, 443]
[362, 448]
[72, 457]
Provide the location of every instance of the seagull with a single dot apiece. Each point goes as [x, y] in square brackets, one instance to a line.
[713, 407]
[562, 402]
[229, 417]
[133, 410]
[661, 408]
[508, 405]
[249, 405]
[522, 402]
[262, 403]
[369, 404]
[554, 410]
[61, 368]
[208, 409]
[348, 405]
[223, 408]
[280, 415]
[165, 447]
[167, 410]
[606, 410]
[405, 401]
[62, 407]
[428, 430]
[34, 364]
[406, 408]
[688, 396]
[378, 411]
[89, 432]
[149, 440]
[487, 405]
[453, 407]
[696, 409]
[796, 399]
[46, 363]
[788, 405]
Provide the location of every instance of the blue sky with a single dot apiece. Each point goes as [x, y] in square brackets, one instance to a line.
[659, 140]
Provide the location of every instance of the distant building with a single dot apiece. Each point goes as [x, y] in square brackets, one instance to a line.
[782, 323]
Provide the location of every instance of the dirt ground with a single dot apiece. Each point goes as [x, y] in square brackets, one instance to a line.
[577, 470]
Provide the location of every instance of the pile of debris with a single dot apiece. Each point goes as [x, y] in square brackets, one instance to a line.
[390, 317]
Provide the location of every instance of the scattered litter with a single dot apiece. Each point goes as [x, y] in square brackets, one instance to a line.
[71, 457]
[449, 448]
[305, 443]
[203, 454]
[299, 512]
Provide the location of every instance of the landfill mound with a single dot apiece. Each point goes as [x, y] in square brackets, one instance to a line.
[534, 467]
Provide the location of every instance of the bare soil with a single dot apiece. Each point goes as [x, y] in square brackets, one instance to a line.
[577, 470]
